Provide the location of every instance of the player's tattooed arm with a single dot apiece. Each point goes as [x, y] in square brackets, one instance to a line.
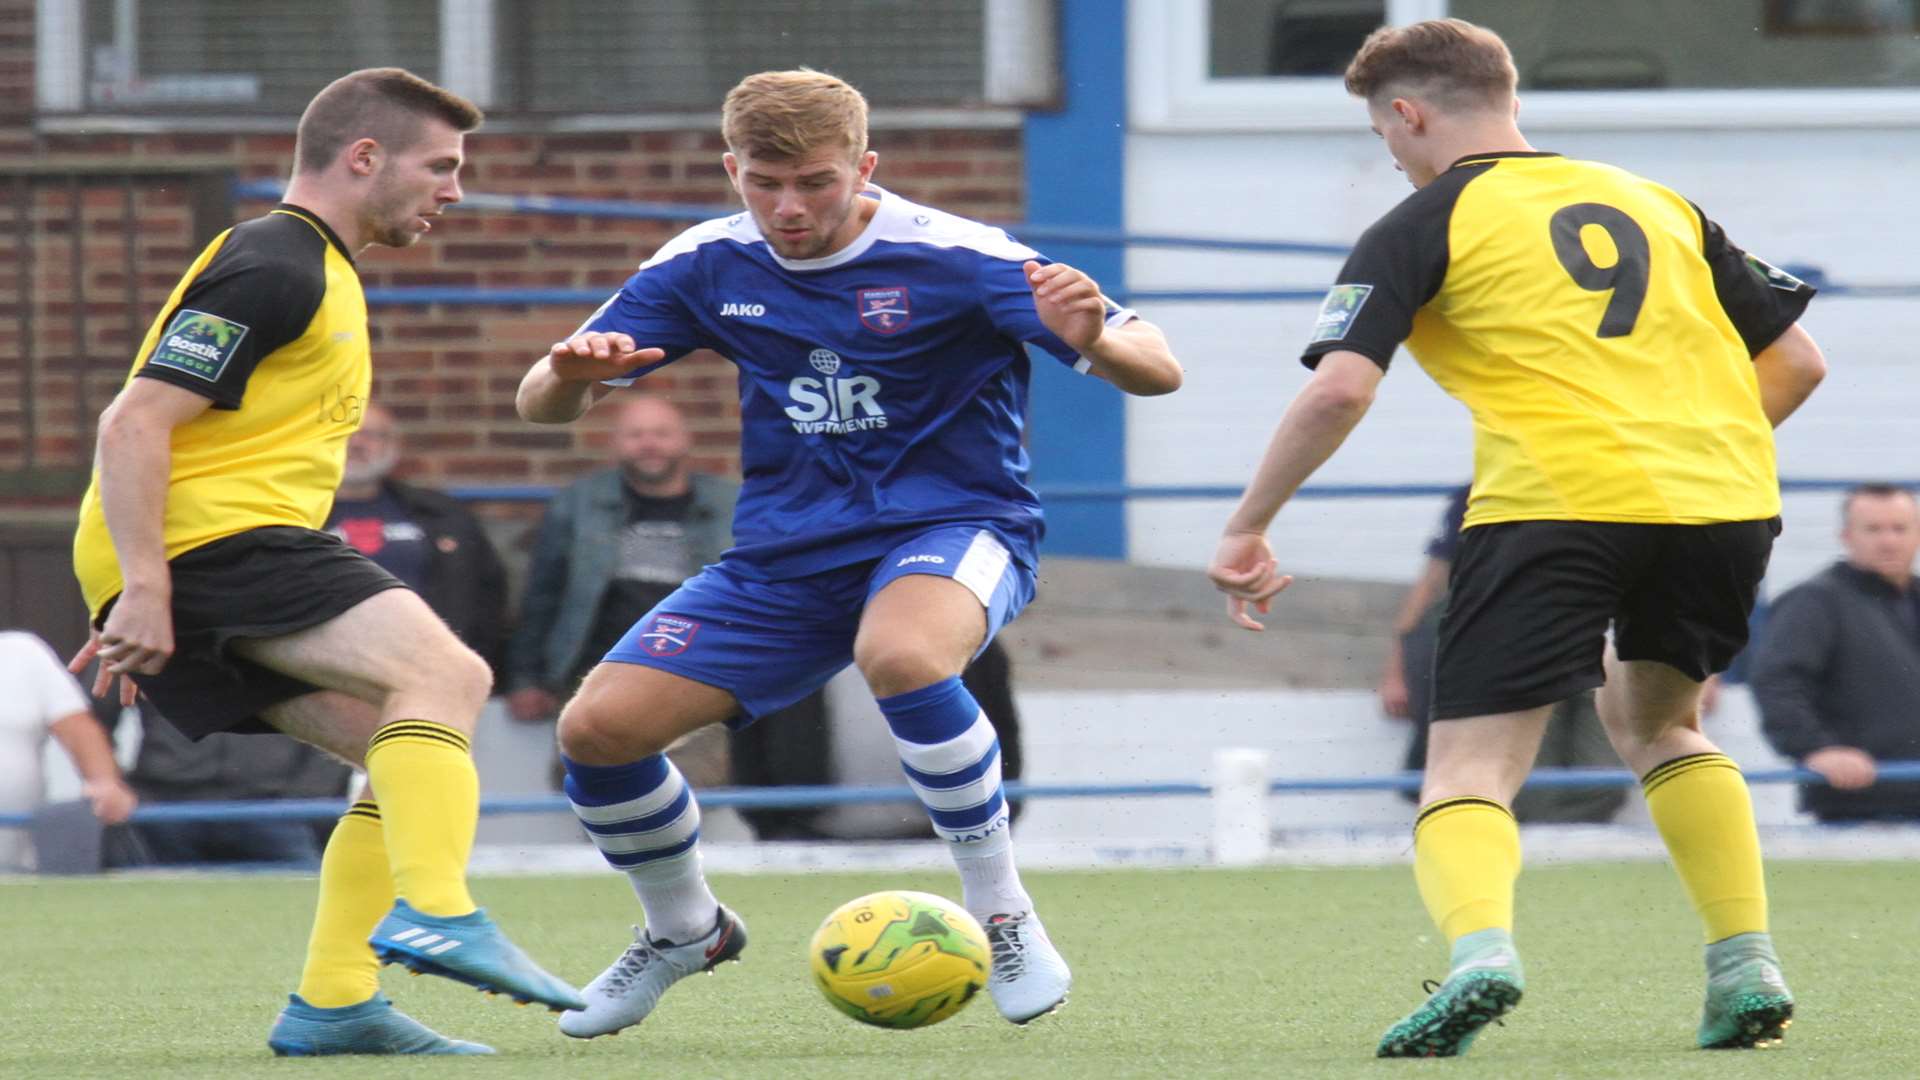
[563, 384]
[1134, 357]
[1320, 418]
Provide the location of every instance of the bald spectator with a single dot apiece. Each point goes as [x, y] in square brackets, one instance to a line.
[612, 545]
[1837, 671]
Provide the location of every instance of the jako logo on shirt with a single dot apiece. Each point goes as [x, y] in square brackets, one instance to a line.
[743, 311]
[836, 404]
[937, 560]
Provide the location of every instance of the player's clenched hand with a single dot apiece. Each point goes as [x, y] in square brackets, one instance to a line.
[137, 637]
[1244, 568]
[1069, 303]
[594, 356]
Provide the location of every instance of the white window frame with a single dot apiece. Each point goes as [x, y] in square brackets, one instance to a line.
[1020, 72]
[1169, 91]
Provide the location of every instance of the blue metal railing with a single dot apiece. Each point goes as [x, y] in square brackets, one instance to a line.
[416, 295]
[1097, 492]
[271, 190]
[817, 796]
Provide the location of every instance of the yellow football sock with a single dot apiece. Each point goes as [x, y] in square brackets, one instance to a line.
[356, 891]
[1466, 855]
[430, 800]
[1705, 815]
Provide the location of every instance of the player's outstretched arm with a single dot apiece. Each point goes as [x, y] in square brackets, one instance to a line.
[134, 457]
[1788, 370]
[563, 384]
[1316, 423]
[1134, 357]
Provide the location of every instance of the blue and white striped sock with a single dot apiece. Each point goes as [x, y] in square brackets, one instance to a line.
[952, 760]
[644, 820]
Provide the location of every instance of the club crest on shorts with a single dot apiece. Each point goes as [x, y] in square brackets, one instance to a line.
[670, 636]
[884, 311]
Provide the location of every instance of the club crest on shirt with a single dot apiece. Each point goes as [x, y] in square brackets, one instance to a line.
[884, 311]
[1343, 302]
[670, 636]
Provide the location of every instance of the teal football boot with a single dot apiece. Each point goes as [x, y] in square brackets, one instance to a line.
[372, 1027]
[1485, 983]
[1748, 1004]
[470, 949]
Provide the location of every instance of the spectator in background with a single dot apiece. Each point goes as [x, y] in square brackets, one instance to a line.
[1837, 672]
[38, 699]
[427, 539]
[1574, 735]
[612, 545]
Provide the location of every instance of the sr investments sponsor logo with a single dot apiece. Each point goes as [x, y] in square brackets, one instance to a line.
[838, 402]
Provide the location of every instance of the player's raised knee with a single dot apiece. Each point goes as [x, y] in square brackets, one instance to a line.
[898, 665]
[460, 674]
[592, 733]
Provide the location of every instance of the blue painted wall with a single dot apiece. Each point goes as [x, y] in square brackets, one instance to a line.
[1076, 176]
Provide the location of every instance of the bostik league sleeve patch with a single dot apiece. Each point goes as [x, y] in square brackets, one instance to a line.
[198, 343]
[1338, 310]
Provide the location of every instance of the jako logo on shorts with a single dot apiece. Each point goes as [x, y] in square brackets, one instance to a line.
[836, 404]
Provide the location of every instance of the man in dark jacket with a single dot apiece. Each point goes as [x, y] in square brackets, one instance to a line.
[425, 538]
[1837, 674]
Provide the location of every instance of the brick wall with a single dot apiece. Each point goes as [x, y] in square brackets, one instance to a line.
[448, 371]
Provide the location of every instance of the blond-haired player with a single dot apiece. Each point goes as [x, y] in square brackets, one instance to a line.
[884, 517]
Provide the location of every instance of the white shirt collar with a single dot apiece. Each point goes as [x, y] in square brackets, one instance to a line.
[887, 201]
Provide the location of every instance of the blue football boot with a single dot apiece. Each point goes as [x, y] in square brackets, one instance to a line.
[470, 949]
[372, 1027]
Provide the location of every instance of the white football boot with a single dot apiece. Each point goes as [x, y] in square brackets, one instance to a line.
[625, 993]
[1029, 978]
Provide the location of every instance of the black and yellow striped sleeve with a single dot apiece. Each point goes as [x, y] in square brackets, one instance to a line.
[1397, 266]
[258, 293]
[1761, 299]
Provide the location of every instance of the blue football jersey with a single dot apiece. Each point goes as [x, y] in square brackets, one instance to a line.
[883, 388]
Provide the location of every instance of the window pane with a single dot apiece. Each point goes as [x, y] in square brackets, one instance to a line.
[673, 55]
[1261, 38]
[247, 56]
[1723, 44]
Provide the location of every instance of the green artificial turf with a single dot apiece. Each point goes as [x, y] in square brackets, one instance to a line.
[1179, 973]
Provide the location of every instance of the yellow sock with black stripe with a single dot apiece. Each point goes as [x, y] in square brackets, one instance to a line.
[1466, 857]
[430, 800]
[356, 891]
[1701, 806]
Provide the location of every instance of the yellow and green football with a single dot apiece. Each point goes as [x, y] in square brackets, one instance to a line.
[900, 959]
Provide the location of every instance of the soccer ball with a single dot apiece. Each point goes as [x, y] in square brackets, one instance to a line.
[900, 959]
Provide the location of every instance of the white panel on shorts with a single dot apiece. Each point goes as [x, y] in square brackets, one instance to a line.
[982, 567]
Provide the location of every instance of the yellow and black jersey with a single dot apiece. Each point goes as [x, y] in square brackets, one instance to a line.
[1598, 326]
[271, 325]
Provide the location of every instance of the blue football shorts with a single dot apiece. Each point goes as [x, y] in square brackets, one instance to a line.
[771, 643]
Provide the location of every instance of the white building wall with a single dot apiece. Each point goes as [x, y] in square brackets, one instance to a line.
[1837, 199]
